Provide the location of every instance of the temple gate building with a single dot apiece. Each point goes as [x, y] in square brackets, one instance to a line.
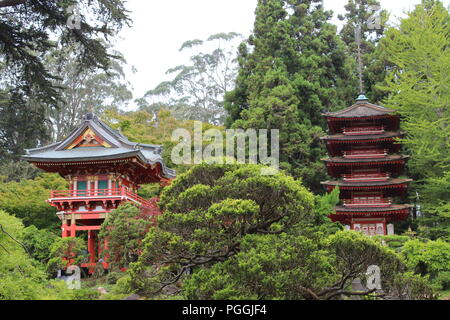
[365, 160]
[103, 169]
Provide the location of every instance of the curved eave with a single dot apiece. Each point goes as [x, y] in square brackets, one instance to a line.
[341, 138]
[132, 156]
[392, 183]
[361, 109]
[389, 215]
[346, 118]
[386, 160]
[122, 155]
[386, 210]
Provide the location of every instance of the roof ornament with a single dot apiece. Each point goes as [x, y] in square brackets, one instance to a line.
[362, 98]
[90, 116]
[360, 63]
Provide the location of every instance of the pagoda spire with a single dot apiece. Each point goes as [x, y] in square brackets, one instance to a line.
[359, 53]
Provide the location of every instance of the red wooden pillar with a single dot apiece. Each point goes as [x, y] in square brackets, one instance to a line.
[64, 230]
[106, 259]
[91, 245]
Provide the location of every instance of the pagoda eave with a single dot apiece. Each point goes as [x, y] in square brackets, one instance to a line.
[389, 159]
[330, 140]
[335, 118]
[142, 172]
[388, 215]
[390, 182]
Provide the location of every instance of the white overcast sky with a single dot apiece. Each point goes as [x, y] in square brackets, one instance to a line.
[160, 27]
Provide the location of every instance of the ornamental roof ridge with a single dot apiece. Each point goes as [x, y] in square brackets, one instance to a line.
[114, 146]
[391, 181]
[362, 108]
[386, 134]
[389, 157]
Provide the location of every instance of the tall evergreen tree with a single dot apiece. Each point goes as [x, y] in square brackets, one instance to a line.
[292, 68]
[419, 90]
[28, 29]
[367, 16]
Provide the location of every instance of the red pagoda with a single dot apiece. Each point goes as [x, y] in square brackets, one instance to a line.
[364, 159]
[103, 169]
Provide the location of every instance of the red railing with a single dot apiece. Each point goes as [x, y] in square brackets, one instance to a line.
[365, 153]
[354, 131]
[366, 177]
[100, 193]
[367, 202]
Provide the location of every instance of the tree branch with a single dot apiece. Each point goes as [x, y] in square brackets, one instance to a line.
[11, 3]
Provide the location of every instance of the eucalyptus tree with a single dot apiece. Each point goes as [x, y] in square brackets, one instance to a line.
[29, 30]
[196, 90]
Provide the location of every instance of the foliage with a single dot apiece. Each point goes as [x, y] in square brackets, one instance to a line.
[85, 294]
[124, 229]
[410, 286]
[26, 199]
[27, 88]
[325, 205]
[374, 63]
[22, 124]
[38, 242]
[296, 267]
[196, 90]
[150, 190]
[82, 91]
[64, 251]
[208, 211]
[17, 170]
[291, 69]
[395, 242]
[144, 127]
[418, 86]
[427, 257]
[442, 281]
[22, 278]
[435, 194]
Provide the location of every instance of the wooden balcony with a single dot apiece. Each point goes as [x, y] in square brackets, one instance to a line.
[365, 177]
[365, 153]
[98, 194]
[366, 202]
[360, 131]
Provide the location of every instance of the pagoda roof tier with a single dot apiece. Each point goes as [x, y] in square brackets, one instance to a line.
[361, 109]
[389, 159]
[95, 142]
[341, 138]
[364, 185]
[395, 213]
[375, 210]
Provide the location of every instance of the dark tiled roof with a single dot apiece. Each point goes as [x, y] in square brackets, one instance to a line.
[121, 148]
[393, 207]
[390, 182]
[390, 157]
[360, 109]
[342, 137]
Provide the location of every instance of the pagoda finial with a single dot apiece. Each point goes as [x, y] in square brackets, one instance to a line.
[362, 97]
[360, 64]
[90, 116]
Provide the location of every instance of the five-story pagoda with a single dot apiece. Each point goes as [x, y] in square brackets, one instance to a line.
[364, 159]
[103, 169]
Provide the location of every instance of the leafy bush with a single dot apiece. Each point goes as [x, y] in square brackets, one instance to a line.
[26, 200]
[38, 242]
[65, 250]
[442, 281]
